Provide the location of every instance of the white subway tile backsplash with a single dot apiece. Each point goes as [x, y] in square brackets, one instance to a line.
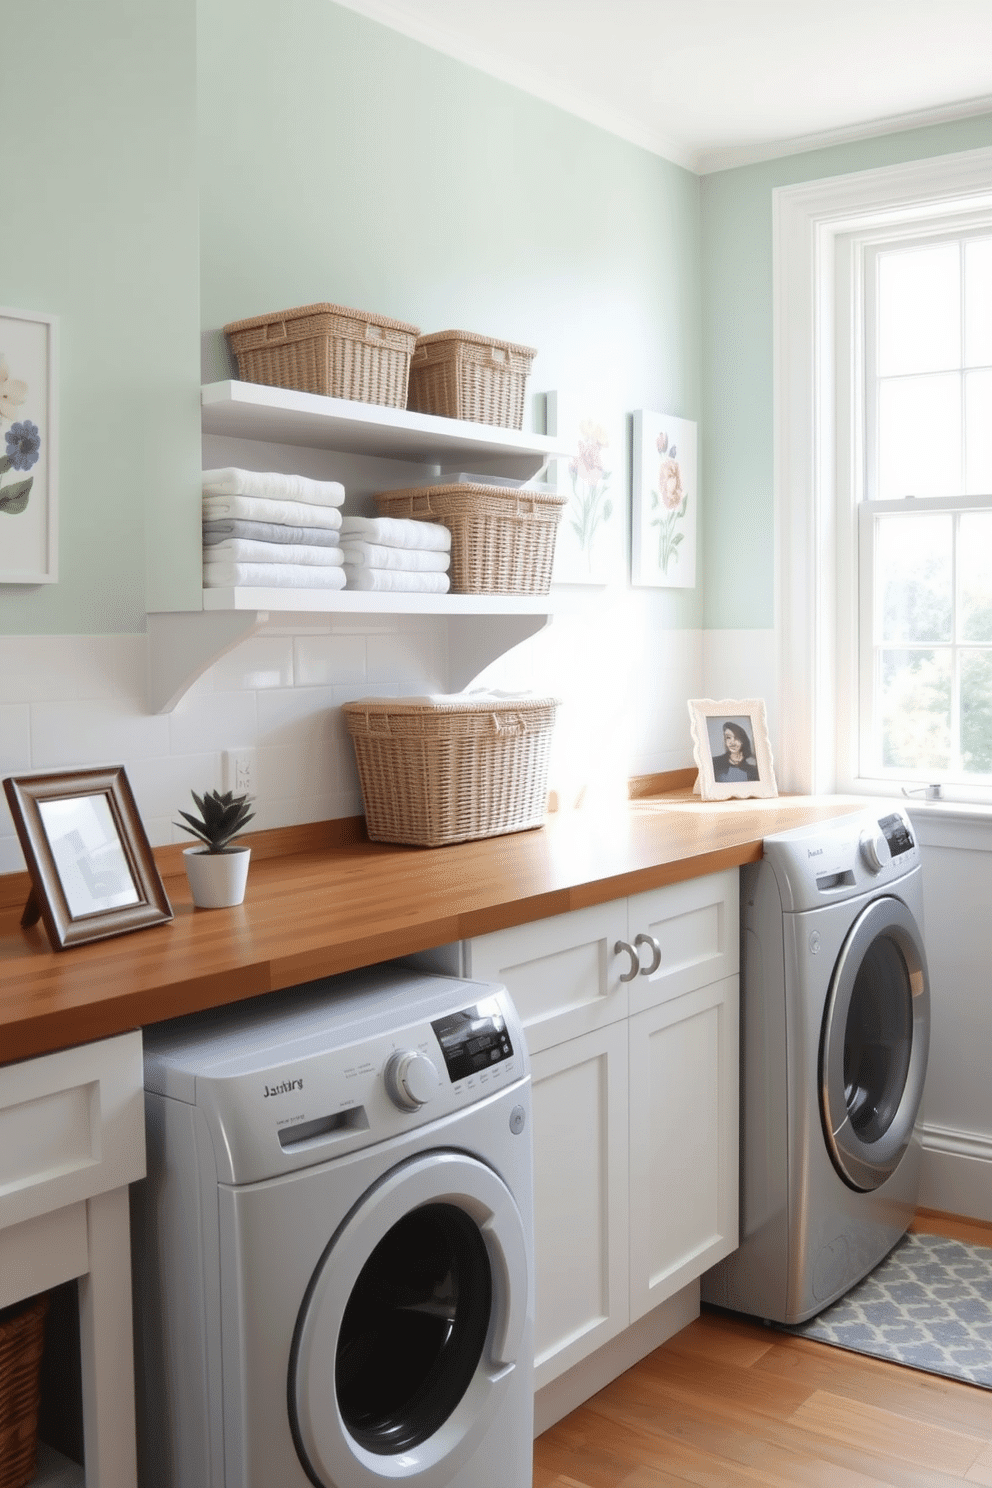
[75, 701]
[66, 734]
[206, 721]
[322, 660]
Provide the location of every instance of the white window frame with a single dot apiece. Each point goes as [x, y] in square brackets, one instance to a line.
[818, 228]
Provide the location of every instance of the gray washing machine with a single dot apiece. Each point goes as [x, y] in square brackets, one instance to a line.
[835, 1031]
[333, 1246]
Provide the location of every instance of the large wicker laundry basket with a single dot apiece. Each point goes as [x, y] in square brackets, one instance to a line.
[22, 1334]
[326, 349]
[444, 769]
[502, 537]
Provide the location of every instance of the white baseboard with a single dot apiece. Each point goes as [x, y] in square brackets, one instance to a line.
[576, 1385]
[956, 1172]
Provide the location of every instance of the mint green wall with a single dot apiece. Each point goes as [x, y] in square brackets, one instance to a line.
[100, 229]
[736, 440]
[342, 161]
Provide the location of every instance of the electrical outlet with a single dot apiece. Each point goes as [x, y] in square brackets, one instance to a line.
[238, 771]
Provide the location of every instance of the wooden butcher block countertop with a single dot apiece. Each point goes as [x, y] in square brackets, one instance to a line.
[323, 899]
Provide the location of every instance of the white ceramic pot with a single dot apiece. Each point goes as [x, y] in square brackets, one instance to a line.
[217, 880]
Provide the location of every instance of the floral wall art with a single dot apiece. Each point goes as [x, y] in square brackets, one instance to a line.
[589, 548]
[665, 501]
[28, 452]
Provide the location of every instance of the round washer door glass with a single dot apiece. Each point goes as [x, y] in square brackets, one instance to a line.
[874, 1044]
[410, 1326]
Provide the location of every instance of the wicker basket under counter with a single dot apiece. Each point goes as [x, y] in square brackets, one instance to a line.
[451, 769]
[22, 1336]
[461, 375]
[327, 349]
[502, 537]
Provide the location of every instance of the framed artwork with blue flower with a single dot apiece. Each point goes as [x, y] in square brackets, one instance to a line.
[28, 448]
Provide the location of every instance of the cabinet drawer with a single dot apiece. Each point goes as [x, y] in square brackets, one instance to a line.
[562, 973]
[71, 1126]
[696, 926]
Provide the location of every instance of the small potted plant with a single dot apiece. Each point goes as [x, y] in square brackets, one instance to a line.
[218, 871]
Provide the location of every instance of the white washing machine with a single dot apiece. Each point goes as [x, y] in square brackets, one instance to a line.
[835, 1031]
[334, 1256]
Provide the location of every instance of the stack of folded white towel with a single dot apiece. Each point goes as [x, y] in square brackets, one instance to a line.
[270, 530]
[397, 554]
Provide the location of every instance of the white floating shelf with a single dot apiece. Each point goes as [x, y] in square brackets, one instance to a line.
[362, 602]
[247, 410]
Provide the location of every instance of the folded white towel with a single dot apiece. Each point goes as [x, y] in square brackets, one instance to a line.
[258, 509]
[398, 532]
[245, 550]
[377, 555]
[271, 576]
[396, 581]
[272, 485]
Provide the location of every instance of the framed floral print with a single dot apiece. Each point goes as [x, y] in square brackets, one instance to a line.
[591, 539]
[665, 502]
[28, 448]
[731, 748]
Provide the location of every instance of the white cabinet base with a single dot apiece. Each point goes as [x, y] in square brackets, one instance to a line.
[576, 1385]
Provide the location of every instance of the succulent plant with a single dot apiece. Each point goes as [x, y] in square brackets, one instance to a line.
[222, 818]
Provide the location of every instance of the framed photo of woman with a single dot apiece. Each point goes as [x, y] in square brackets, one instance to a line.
[731, 748]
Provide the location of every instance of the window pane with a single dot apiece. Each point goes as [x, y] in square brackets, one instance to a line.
[913, 578]
[976, 712]
[919, 309]
[975, 576]
[915, 709]
[978, 431]
[919, 437]
[978, 302]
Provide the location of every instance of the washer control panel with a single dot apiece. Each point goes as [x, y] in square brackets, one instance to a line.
[841, 858]
[473, 1039]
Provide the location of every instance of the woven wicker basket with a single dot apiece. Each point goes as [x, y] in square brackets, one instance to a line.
[502, 538]
[326, 349]
[451, 769]
[22, 1330]
[460, 375]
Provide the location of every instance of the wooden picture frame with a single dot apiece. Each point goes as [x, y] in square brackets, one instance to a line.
[731, 748]
[91, 866]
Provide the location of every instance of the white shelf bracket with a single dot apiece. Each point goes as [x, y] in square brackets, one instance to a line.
[476, 640]
[183, 644]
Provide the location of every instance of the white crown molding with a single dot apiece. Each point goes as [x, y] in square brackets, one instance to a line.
[708, 161]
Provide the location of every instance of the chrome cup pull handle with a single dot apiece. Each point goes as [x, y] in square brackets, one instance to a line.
[640, 940]
[635, 960]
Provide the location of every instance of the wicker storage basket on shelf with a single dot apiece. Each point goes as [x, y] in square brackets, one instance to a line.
[436, 770]
[22, 1330]
[502, 538]
[326, 349]
[458, 374]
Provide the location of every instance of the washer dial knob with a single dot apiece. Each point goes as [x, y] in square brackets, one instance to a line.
[411, 1079]
[874, 850]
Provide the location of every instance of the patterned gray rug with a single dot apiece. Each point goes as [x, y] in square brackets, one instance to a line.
[928, 1304]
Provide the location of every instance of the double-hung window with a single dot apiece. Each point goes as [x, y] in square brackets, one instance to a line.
[883, 478]
[925, 513]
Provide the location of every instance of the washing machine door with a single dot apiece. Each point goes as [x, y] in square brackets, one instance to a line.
[409, 1331]
[874, 1044]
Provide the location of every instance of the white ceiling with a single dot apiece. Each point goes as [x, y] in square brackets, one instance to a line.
[715, 83]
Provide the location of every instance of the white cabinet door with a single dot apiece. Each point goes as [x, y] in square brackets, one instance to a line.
[683, 1140]
[563, 973]
[580, 1197]
[695, 925]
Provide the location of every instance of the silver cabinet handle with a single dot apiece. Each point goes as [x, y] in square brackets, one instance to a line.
[640, 940]
[635, 960]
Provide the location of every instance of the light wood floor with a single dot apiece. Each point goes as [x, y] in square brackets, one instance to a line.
[729, 1403]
